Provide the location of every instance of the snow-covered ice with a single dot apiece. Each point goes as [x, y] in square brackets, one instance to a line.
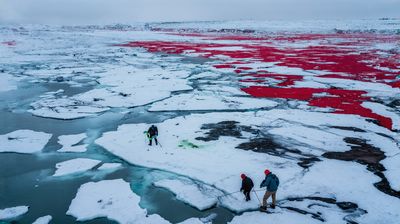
[200, 68]
[69, 143]
[215, 162]
[392, 172]
[43, 220]
[75, 166]
[24, 141]
[286, 218]
[195, 194]
[210, 101]
[12, 213]
[63, 108]
[110, 166]
[113, 199]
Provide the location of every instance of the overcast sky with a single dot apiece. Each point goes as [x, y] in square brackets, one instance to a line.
[128, 11]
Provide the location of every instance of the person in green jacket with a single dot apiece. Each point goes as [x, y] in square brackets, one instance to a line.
[271, 182]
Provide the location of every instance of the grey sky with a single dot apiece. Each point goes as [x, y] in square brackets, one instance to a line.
[128, 11]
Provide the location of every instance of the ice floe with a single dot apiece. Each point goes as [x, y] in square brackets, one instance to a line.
[12, 213]
[75, 166]
[129, 87]
[110, 166]
[195, 194]
[112, 199]
[24, 141]
[43, 220]
[207, 151]
[64, 108]
[69, 143]
[210, 101]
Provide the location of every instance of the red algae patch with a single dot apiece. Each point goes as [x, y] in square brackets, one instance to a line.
[327, 56]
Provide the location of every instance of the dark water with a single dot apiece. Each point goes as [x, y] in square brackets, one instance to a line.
[25, 179]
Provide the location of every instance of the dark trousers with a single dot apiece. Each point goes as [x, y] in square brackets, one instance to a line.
[155, 139]
[247, 194]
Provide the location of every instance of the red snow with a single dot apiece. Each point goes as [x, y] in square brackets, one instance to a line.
[343, 101]
[340, 56]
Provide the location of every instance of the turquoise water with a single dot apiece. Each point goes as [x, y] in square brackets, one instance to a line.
[25, 179]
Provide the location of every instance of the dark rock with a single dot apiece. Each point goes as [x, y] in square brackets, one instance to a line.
[366, 154]
[308, 162]
[224, 128]
[60, 79]
[348, 128]
[347, 205]
[360, 152]
[265, 145]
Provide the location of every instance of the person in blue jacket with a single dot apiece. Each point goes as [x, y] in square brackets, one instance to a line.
[271, 182]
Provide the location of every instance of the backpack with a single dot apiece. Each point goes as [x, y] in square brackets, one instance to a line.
[274, 181]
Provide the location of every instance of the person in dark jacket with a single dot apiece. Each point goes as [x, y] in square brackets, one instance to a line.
[247, 185]
[152, 133]
[271, 182]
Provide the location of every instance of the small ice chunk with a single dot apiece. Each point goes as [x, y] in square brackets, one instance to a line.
[43, 220]
[69, 143]
[24, 141]
[110, 166]
[192, 221]
[74, 166]
[113, 199]
[14, 212]
[198, 195]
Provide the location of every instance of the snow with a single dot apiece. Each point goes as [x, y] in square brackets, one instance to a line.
[43, 220]
[12, 213]
[210, 101]
[215, 163]
[69, 143]
[384, 111]
[75, 166]
[195, 194]
[63, 108]
[110, 166]
[119, 78]
[192, 221]
[24, 141]
[112, 199]
[392, 166]
[312, 137]
[286, 218]
[129, 87]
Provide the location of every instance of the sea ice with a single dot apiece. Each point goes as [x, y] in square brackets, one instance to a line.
[113, 199]
[24, 141]
[43, 220]
[210, 101]
[74, 166]
[195, 194]
[69, 143]
[12, 213]
[110, 166]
